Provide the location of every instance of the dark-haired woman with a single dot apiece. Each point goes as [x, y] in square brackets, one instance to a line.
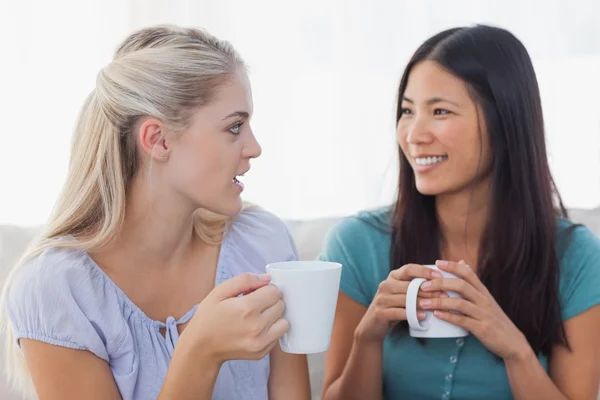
[475, 196]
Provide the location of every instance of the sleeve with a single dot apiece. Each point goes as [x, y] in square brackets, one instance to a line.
[341, 245]
[51, 300]
[580, 273]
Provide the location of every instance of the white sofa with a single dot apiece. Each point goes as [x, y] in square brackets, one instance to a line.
[309, 236]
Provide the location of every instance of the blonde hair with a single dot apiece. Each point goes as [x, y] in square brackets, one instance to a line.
[164, 71]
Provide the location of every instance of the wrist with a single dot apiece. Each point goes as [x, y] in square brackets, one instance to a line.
[363, 337]
[521, 354]
[189, 376]
[198, 354]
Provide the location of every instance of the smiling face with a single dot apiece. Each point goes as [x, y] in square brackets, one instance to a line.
[207, 159]
[439, 131]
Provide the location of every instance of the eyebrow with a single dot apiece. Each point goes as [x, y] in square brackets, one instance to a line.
[243, 114]
[431, 101]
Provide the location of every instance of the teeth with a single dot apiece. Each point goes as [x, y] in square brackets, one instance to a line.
[236, 180]
[430, 160]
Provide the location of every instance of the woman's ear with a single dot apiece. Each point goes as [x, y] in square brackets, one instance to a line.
[152, 139]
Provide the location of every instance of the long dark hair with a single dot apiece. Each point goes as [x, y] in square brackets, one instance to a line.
[518, 261]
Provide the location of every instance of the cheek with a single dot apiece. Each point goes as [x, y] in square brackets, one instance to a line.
[486, 155]
[194, 163]
[468, 148]
[401, 135]
[213, 164]
[461, 140]
[189, 170]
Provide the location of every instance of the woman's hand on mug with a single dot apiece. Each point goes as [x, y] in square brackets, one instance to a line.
[481, 315]
[388, 305]
[227, 326]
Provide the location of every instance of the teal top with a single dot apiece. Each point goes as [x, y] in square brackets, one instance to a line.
[448, 368]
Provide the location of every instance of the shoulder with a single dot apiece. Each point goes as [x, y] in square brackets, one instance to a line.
[261, 234]
[255, 220]
[365, 226]
[62, 298]
[579, 258]
[55, 272]
[577, 245]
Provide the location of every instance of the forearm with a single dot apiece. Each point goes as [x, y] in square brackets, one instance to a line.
[362, 375]
[529, 380]
[288, 378]
[189, 378]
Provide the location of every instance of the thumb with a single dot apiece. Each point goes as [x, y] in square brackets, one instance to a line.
[240, 284]
[461, 262]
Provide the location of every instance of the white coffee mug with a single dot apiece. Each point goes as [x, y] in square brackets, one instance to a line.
[310, 291]
[430, 327]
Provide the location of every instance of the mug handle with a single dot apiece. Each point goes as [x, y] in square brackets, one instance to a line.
[411, 305]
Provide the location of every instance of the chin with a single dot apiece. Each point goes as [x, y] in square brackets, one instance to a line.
[429, 190]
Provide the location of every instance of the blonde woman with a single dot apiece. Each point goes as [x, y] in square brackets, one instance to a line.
[147, 281]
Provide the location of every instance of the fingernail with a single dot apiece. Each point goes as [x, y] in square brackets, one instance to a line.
[441, 263]
[421, 314]
[264, 277]
[425, 303]
[443, 295]
[436, 274]
[426, 285]
[438, 314]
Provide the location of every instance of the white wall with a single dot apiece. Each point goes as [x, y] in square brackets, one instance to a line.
[324, 77]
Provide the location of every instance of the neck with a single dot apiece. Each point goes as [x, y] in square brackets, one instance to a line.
[463, 218]
[157, 233]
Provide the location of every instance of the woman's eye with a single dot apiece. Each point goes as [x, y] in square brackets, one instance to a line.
[235, 129]
[405, 111]
[441, 111]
